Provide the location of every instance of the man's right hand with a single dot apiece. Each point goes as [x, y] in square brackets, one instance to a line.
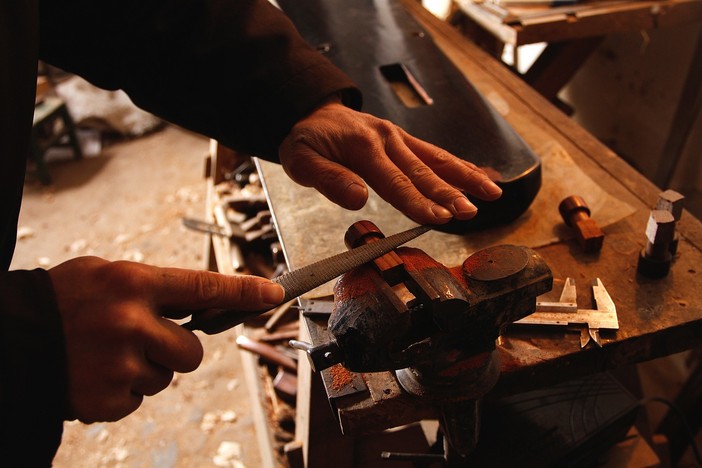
[338, 150]
[120, 343]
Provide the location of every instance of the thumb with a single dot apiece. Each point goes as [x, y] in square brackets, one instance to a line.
[340, 185]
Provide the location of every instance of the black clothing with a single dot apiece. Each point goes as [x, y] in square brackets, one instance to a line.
[234, 70]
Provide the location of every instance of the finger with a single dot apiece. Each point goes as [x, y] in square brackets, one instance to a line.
[428, 183]
[180, 289]
[454, 170]
[339, 184]
[393, 184]
[172, 347]
[101, 389]
[152, 380]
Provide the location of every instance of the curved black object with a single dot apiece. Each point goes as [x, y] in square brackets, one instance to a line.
[382, 47]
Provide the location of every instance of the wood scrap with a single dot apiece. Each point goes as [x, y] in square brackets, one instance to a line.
[278, 314]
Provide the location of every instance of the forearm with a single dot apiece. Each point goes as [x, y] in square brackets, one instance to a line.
[235, 70]
[33, 366]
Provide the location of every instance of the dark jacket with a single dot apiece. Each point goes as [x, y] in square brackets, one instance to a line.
[234, 70]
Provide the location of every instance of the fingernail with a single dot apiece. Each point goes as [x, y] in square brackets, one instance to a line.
[272, 293]
[441, 212]
[490, 188]
[357, 194]
[464, 208]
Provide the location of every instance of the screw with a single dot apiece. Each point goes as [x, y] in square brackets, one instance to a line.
[576, 214]
[655, 258]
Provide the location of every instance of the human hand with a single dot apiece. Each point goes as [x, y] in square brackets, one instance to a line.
[120, 343]
[335, 149]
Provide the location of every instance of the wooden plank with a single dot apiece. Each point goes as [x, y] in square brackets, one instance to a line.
[487, 20]
[519, 26]
[257, 396]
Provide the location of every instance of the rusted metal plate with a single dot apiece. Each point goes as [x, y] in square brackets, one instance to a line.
[339, 382]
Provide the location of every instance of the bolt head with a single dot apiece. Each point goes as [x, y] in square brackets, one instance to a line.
[661, 227]
[671, 201]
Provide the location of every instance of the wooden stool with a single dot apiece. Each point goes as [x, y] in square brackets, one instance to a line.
[52, 123]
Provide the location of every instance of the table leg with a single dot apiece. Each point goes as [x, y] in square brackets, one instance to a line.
[38, 157]
[71, 131]
[557, 64]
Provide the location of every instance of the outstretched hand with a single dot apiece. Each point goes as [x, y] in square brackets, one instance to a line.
[335, 149]
[120, 343]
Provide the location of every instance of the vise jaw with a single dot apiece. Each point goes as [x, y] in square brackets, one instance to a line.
[412, 311]
[435, 326]
[434, 310]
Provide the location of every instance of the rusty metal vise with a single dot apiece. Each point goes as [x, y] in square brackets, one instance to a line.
[436, 327]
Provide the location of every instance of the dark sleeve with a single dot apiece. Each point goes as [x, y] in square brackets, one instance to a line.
[33, 382]
[234, 70]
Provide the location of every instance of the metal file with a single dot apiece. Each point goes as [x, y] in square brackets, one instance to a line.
[302, 280]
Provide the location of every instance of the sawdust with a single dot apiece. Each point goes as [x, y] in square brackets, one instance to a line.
[341, 377]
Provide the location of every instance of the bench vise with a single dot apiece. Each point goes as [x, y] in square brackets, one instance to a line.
[434, 326]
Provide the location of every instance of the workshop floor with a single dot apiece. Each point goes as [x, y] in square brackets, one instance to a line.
[127, 204]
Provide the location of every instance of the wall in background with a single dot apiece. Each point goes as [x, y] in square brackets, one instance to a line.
[626, 94]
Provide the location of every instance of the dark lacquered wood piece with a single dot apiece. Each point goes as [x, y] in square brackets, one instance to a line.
[383, 48]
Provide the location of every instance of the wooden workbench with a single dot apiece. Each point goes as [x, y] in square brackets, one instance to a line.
[657, 318]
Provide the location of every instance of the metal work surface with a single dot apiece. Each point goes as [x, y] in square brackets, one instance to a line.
[312, 228]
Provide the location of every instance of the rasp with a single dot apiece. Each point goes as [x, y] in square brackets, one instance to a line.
[302, 280]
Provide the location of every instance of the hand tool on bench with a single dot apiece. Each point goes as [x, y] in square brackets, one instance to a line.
[434, 326]
[565, 312]
[305, 279]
